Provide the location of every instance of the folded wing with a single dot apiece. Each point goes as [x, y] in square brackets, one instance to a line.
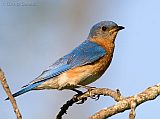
[88, 52]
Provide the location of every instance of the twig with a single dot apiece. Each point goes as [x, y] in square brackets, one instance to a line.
[101, 91]
[132, 113]
[69, 103]
[7, 90]
[64, 108]
[149, 94]
[83, 97]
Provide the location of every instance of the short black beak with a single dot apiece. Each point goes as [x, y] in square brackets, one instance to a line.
[120, 27]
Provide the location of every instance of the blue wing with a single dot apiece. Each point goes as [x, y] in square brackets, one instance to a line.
[86, 53]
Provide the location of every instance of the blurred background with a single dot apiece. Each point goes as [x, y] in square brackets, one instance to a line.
[34, 34]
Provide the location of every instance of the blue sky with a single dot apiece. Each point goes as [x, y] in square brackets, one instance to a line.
[34, 35]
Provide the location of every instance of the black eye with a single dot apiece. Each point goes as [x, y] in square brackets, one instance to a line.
[104, 28]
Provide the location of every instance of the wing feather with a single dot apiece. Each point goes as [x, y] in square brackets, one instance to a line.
[86, 53]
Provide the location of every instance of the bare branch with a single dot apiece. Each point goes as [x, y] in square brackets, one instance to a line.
[82, 97]
[132, 113]
[129, 102]
[69, 103]
[11, 98]
[102, 91]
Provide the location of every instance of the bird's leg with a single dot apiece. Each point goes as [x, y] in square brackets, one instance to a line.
[77, 91]
[89, 90]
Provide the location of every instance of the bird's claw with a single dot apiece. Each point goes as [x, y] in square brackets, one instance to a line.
[96, 97]
[92, 96]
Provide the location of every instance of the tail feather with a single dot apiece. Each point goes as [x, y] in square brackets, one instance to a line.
[25, 89]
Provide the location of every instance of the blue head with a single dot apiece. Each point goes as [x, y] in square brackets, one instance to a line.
[105, 30]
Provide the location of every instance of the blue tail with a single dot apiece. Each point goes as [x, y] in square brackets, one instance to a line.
[25, 89]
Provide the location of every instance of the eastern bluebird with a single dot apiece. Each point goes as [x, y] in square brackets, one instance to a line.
[83, 65]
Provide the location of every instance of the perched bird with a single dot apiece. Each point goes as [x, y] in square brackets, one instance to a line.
[83, 65]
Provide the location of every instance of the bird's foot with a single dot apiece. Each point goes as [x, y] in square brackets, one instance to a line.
[78, 94]
[96, 97]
